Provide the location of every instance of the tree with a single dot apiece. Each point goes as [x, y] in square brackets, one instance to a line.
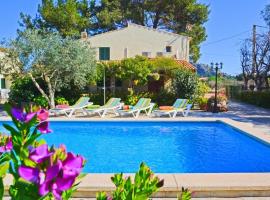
[260, 70]
[48, 56]
[68, 17]
[266, 14]
[179, 16]
[246, 62]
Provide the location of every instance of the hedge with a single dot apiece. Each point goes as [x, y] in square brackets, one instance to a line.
[258, 98]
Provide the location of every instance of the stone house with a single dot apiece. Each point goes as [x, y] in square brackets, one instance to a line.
[140, 40]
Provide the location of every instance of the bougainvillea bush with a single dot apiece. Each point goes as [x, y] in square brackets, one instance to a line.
[39, 171]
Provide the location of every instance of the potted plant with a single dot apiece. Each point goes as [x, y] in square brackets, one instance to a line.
[203, 103]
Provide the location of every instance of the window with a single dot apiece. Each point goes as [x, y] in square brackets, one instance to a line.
[104, 53]
[160, 54]
[146, 54]
[168, 49]
[3, 83]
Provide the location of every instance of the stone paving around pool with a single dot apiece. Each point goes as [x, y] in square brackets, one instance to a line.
[257, 116]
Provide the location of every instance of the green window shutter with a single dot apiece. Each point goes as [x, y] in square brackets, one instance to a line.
[104, 53]
[3, 83]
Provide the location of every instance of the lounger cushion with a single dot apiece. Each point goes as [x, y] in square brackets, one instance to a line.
[62, 106]
[165, 107]
[93, 106]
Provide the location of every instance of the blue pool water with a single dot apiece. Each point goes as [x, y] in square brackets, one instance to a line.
[167, 147]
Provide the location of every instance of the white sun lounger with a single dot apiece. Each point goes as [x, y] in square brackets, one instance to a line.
[112, 105]
[180, 105]
[144, 104]
[69, 111]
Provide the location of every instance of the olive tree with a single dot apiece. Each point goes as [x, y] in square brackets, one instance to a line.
[57, 61]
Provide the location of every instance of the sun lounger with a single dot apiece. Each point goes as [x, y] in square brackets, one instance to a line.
[180, 105]
[144, 104]
[69, 111]
[112, 105]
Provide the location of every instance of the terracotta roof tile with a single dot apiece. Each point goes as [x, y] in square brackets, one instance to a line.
[186, 64]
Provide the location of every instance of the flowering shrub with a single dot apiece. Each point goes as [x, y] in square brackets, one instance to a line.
[222, 101]
[39, 171]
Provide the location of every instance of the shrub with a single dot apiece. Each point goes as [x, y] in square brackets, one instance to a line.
[221, 101]
[258, 98]
[39, 171]
[201, 90]
[71, 93]
[184, 83]
[133, 97]
[202, 101]
[61, 101]
[22, 91]
[144, 185]
[185, 195]
[41, 101]
[163, 98]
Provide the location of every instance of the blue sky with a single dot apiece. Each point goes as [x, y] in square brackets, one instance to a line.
[227, 18]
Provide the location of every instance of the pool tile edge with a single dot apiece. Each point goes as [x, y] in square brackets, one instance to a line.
[202, 185]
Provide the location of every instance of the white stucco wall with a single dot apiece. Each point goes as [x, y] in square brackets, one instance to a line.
[135, 39]
[8, 79]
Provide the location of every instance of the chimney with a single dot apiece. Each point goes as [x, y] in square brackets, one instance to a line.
[84, 35]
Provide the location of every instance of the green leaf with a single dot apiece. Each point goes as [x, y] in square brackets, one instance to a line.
[101, 196]
[3, 169]
[4, 157]
[1, 188]
[23, 190]
[31, 139]
[185, 195]
[12, 130]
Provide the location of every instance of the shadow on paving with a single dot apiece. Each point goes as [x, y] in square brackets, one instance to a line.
[242, 112]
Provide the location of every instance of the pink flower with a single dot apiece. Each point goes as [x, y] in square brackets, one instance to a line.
[43, 127]
[42, 115]
[55, 178]
[7, 146]
[21, 116]
[40, 154]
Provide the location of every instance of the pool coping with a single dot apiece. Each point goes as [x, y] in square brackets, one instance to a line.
[202, 185]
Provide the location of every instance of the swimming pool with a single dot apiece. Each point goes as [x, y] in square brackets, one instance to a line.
[167, 147]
